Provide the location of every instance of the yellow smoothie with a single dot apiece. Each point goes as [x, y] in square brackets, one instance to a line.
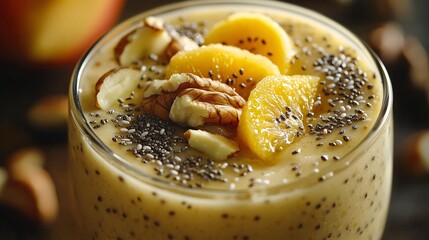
[134, 175]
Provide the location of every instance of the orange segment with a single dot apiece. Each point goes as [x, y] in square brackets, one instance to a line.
[275, 112]
[257, 33]
[238, 68]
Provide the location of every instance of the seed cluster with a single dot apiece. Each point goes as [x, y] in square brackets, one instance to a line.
[152, 137]
[251, 40]
[343, 88]
[192, 30]
[290, 118]
[346, 95]
[162, 145]
[231, 79]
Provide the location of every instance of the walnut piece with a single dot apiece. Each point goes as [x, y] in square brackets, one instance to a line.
[193, 101]
[197, 107]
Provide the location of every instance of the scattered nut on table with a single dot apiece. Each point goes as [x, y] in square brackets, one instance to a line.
[3, 178]
[416, 153]
[393, 9]
[28, 187]
[388, 40]
[49, 113]
[417, 58]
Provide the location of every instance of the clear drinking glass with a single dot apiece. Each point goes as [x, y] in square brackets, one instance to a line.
[113, 199]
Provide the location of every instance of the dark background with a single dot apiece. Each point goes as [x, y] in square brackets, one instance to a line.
[21, 85]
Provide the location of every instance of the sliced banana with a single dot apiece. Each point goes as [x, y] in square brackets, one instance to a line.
[215, 146]
[118, 83]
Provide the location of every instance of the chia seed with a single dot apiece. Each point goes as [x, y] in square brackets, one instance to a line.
[296, 151]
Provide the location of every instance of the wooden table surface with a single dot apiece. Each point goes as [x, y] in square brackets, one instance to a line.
[22, 85]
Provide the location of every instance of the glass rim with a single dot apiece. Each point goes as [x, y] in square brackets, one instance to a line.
[82, 124]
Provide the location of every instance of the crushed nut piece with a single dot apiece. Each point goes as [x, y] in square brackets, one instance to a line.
[179, 43]
[140, 43]
[154, 37]
[154, 23]
[215, 146]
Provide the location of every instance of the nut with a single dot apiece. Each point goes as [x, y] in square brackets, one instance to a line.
[191, 100]
[50, 112]
[3, 179]
[29, 188]
[388, 40]
[393, 9]
[152, 38]
[224, 130]
[118, 83]
[140, 43]
[215, 146]
[416, 153]
[196, 107]
[417, 58]
[179, 43]
[154, 23]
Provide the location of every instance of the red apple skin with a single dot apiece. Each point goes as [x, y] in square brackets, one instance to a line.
[107, 19]
[17, 21]
[12, 26]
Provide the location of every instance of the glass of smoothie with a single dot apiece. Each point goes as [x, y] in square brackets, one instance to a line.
[230, 120]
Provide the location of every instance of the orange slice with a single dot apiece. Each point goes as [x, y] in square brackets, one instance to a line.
[238, 68]
[275, 112]
[256, 33]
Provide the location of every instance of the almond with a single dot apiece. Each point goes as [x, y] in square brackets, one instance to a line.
[29, 188]
[50, 112]
[215, 146]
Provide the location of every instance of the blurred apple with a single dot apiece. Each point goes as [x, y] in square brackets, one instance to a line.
[53, 31]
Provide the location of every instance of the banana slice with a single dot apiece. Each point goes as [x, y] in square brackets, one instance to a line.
[215, 146]
[118, 83]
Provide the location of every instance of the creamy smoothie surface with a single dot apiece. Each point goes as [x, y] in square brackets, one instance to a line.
[241, 123]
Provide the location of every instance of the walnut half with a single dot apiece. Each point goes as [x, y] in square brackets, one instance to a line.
[193, 101]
